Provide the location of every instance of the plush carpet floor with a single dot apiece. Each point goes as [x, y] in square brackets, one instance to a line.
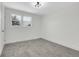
[37, 48]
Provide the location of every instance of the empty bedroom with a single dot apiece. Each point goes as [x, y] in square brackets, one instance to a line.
[39, 29]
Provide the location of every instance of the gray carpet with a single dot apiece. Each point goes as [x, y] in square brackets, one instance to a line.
[37, 48]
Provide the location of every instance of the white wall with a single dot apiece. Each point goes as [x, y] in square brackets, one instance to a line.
[62, 27]
[0, 32]
[14, 34]
[1, 27]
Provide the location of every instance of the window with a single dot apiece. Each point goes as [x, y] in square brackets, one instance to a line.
[24, 21]
[16, 19]
[27, 21]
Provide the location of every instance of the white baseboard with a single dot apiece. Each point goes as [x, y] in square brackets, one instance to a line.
[20, 40]
[45, 39]
[68, 46]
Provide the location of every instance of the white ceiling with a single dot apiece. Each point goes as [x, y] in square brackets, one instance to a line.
[49, 7]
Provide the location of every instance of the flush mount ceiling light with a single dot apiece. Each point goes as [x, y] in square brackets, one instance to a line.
[38, 4]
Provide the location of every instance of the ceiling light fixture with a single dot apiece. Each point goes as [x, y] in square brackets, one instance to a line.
[38, 4]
